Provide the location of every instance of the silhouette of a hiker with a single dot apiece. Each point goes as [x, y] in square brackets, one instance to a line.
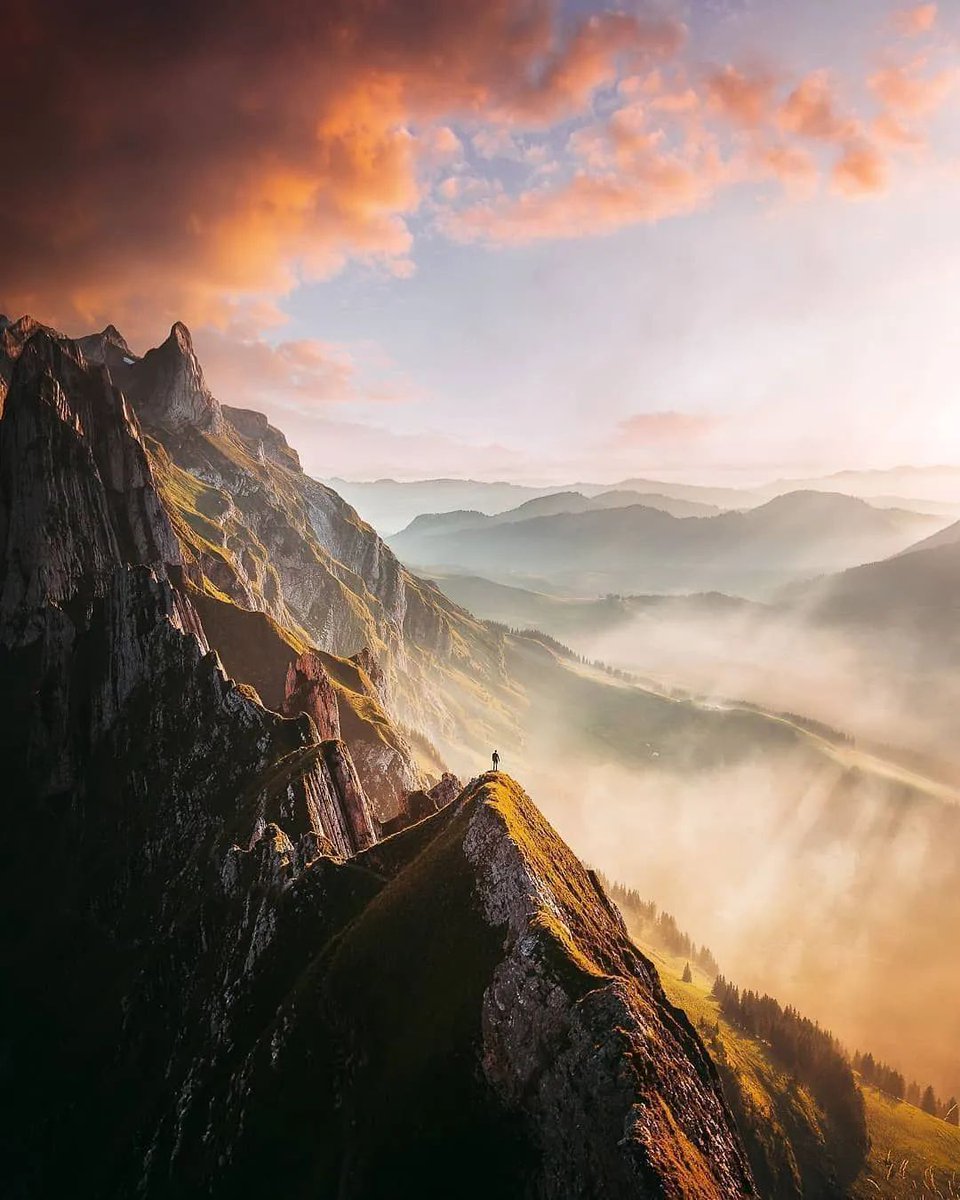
[496, 761]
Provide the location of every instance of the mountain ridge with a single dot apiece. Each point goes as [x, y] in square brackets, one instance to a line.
[206, 968]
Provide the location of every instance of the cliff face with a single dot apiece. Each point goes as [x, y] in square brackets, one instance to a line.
[261, 533]
[216, 980]
[94, 606]
[580, 1073]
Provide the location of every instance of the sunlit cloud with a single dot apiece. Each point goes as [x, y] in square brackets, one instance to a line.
[745, 99]
[642, 429]
[861, 171]
[303, 373]
[905, 91]
[916, 20]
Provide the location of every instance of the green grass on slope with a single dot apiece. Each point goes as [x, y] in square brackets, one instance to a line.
[781, 1125]
[913, 1156]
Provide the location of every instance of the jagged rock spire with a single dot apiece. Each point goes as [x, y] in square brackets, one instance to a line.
[308, 690]
[169, 390]
[86, 503]
[109, 347]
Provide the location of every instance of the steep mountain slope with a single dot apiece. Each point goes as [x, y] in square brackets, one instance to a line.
[216, 984]
[915, 593]
[638, 548]
[266, 536]
[788, 1139]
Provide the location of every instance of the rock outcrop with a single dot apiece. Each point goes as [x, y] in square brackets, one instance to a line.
[76, 488]
[268, 537]
[554, 1034]
[308, 689]
[93, 597]
[169, 390]
[217, 982]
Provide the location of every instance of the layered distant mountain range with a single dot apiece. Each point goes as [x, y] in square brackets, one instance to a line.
[628, 542]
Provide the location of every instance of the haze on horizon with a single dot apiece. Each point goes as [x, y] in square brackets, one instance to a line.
[533, 240]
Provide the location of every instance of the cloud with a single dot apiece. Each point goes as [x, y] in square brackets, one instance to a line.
[902, 90]
[794, 167]
[811, 111]
[861, 171]
[745, 100]
[172, 160]
[303, 374]
[919, 19]
[642, 429]
[167, 162]
[656, 187]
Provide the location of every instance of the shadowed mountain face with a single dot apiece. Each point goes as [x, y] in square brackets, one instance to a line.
[640, 548]
[217, 980]
[916, 593]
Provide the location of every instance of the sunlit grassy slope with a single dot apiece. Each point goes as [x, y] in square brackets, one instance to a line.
[913, 1156]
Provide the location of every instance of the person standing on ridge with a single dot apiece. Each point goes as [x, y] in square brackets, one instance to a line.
[496, 761]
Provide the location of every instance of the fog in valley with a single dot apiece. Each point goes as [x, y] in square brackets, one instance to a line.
[884, 688]
[787, 785]
[836, 893]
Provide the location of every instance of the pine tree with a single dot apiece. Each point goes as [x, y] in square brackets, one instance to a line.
[929, 1101]
[953, 1112]
[687, 974]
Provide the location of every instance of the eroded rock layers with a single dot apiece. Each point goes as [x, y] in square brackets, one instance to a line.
[217, 980]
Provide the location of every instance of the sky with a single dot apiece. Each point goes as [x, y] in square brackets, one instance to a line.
[510, 239]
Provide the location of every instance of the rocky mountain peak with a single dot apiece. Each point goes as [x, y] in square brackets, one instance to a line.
[180, 334]
[74, 428]
[222, 967]
[14, 335]
[109, 347]
[169, 390]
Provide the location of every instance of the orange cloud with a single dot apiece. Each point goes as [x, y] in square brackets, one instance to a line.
[810, 111]
[903, 91]
[656, 187]
[792, 166]
[172, 161]
[917, 20]
[665, 426]
[861, 170]
[742, 99]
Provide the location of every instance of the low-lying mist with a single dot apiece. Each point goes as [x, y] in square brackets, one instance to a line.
[836, 892]
[886, 689]
[812, 845]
